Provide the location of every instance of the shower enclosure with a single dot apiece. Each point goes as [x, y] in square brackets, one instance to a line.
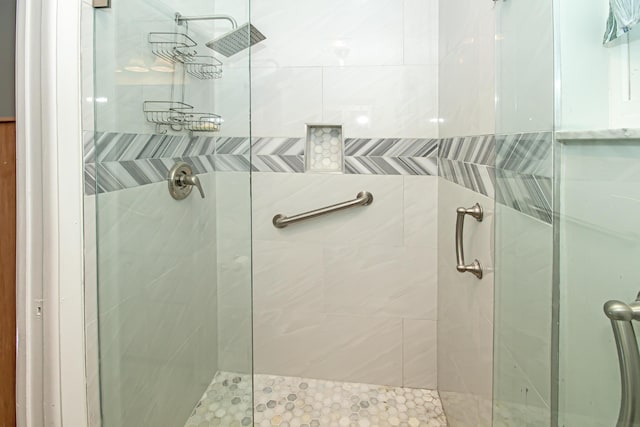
[358, 212]
[173, 293]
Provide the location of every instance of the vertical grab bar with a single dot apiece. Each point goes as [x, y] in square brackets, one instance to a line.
[474, 268]
[621, 316]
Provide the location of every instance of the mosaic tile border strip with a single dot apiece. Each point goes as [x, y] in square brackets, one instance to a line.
[530, 194]
[291, 401]
[478, 150]
[515, 170]
[369, 156]
[129, 160]
[474, 177]
[528, 153]
[120, 175]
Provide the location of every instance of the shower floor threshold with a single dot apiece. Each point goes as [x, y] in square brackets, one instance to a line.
[301, 402]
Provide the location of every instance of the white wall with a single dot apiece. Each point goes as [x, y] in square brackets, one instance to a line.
[598, 249]
[523, 319]
[524, 75]
[600, 86]
[351, 296]
[233, 214]
[369, 65]
[157, 303]
[466, 68]
[465, 310]
[126, 69]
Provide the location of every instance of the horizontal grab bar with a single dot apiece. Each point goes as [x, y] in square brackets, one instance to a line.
[364, 198]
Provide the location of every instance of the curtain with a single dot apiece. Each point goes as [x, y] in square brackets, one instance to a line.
[623, 15]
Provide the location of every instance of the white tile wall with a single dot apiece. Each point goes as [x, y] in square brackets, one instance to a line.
[233, 213]
[382, 101]
[466, 68]
[122, 42]
[523, 315]
[599, 184]
[350, 296]
[465, 311]
[524, 50]
[157, 312]
[369, 65]
[610, 73]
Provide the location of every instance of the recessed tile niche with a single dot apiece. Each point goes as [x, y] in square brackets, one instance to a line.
[325, 149]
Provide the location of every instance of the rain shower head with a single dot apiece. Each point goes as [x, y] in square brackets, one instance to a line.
[237, 40]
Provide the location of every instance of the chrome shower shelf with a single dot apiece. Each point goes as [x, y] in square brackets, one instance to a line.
[166, 112]
[204, 67]
[202, 122]
[179, 116]
[172, 47]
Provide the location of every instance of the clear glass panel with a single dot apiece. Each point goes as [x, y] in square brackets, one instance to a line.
[174, 282]
[598, 192]
[523, 334]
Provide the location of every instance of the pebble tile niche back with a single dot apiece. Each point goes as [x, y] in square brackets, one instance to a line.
[325, 149]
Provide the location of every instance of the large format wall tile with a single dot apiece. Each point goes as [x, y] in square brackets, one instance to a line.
[465, 310]
[524, 260]
[329, 346]
[466, 68]
[156, 311]
[381, 281]
[363, 269]
[290, 194]
[234, 298]
[525, 79]
[285, 99]
[328, 33]
[389, 101]
[420, 367]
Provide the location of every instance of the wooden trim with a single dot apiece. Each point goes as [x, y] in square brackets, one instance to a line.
[8, 274]
[7, 119]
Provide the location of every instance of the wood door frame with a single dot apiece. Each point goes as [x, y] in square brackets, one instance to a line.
[51, 379]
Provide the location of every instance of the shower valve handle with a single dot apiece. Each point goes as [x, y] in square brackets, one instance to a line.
[182, 180]
[194, 181]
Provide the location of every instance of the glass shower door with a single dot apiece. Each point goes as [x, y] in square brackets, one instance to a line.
[523, 393]
[168, 170]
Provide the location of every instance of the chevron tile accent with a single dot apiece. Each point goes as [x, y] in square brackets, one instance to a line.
[391, 165]
[117, 147]
[282, 163]
[529, 153]
[479, 150]
[532, 195]
[477, 178]
[278, 146]
[119, 175]
[391, 147]
[522, 162]
[516, 170]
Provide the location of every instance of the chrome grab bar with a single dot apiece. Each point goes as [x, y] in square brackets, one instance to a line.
[364, 198]
[474, 268]
[621, 316]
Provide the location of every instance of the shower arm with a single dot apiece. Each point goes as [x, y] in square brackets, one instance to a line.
[182, 19]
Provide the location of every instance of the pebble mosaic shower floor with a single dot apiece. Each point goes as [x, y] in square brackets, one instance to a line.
[301, 402]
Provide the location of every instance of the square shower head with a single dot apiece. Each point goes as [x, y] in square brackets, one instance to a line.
[237, 40]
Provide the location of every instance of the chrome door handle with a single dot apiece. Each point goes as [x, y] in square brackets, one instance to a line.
[621, 316]
[182, 180]
[474, 268]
